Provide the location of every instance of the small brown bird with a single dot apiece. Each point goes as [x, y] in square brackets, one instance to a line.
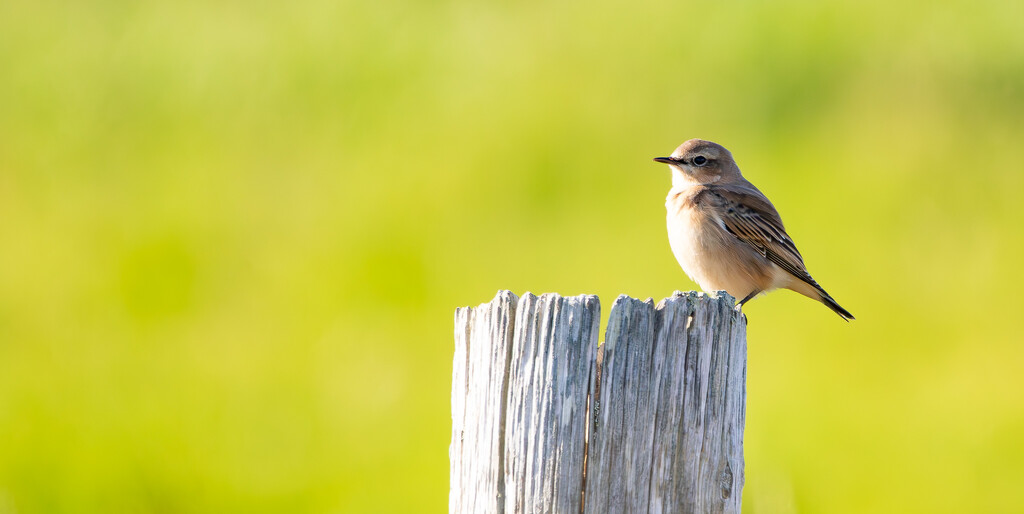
[726, 234]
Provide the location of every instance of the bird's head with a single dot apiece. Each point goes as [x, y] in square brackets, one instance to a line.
[701, 162]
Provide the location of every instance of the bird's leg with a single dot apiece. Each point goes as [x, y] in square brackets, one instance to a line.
[739, 306]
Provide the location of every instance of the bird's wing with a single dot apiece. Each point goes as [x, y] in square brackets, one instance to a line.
[748, 215]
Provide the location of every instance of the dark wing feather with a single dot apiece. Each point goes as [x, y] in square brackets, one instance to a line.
[749, 216]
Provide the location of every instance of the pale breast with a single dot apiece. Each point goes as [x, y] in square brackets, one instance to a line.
[711, 256]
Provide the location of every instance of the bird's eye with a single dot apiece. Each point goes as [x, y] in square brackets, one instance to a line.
[700, 160]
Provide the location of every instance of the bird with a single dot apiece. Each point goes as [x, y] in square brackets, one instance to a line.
[726, 234]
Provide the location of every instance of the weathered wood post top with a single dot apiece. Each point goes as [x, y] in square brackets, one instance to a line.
[545, 420]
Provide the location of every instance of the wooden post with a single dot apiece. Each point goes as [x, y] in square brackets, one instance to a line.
[545, 421]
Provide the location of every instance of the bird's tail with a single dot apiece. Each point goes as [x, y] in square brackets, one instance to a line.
[831, 304]
[809, 288]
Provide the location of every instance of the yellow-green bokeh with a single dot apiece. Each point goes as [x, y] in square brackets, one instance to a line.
[232, 235]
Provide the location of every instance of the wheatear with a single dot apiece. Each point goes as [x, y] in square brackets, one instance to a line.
[726, 234]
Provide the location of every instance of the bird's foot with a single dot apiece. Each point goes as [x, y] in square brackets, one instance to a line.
[739, 309]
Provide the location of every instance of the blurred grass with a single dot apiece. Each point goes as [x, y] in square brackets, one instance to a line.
[233, 235]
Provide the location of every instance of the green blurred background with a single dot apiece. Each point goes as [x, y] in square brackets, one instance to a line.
[232, 236]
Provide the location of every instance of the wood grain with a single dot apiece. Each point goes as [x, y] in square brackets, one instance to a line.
[545, 421]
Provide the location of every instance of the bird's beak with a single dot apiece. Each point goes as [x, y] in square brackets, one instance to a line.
[666, 160]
